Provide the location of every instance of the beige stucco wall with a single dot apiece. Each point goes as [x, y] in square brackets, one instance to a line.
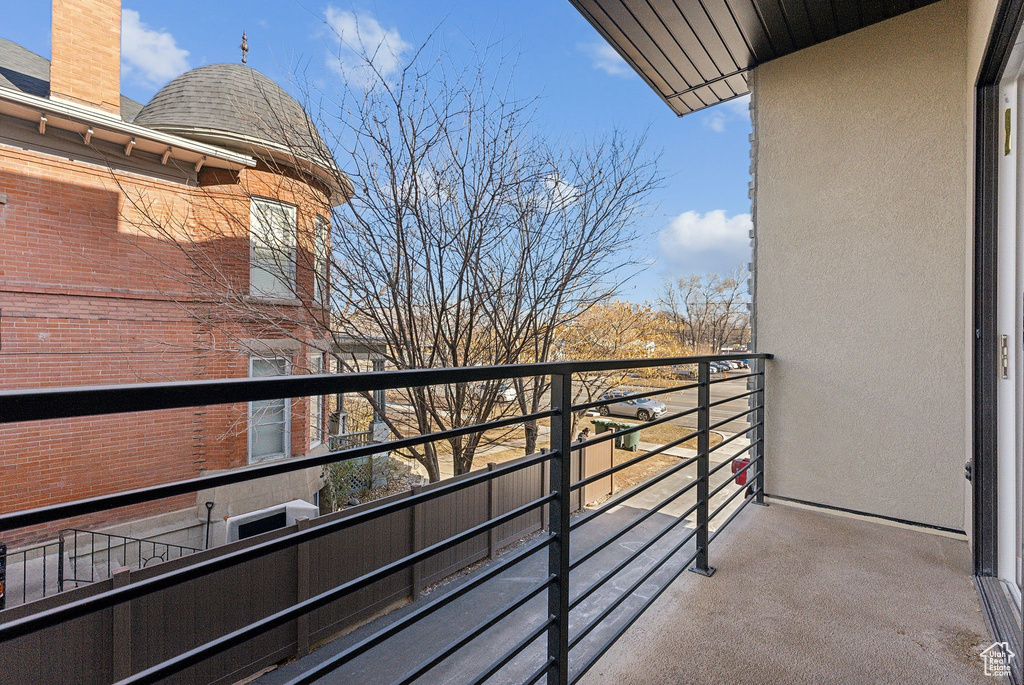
[862, 220]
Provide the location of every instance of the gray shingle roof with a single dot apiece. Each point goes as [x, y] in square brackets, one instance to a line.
[233, 99]
[24, 70]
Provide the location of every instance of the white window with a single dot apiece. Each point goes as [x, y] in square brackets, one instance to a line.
[269, 420]
[272, 230]
[316, 405]
[322, 229]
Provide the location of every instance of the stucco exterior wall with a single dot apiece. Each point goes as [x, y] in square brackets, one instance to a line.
[862, 215]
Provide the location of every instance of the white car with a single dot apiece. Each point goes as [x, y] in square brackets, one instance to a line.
[505, 393]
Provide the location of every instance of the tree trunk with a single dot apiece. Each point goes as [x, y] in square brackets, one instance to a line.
[532, 431]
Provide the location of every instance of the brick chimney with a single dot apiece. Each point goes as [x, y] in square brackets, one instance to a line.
[86, 53]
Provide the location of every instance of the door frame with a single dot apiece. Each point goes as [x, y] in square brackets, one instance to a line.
[998, 610]
[983, 468]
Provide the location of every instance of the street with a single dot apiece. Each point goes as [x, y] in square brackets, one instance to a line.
[687, 399]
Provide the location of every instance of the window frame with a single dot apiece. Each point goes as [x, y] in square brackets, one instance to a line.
[321, 245]
[317, 403]
[287, 413]
[288, 280]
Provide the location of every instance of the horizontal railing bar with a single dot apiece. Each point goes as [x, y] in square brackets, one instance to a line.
[606, 612]
[733, 417]
[61, 403]
[733, 398]
[514, 650]
[604, 437]
[594, 513]
[102, 600]
[540, 672]
[389, 631]
[632, 557]
[736, 378]
[730, 479]
[734, 436]
[727, 521]
[237, 637]
[628, 624]
[91, 505]
[480, 628]
[731, 497]
[630, 462]
[637, 396]
[589, 554]
[732, 458]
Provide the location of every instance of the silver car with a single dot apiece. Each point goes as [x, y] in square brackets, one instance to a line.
[643, 409]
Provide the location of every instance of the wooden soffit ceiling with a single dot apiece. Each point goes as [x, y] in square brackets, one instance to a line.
[697, 53]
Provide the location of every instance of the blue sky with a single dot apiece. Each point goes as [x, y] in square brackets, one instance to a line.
[701, 219]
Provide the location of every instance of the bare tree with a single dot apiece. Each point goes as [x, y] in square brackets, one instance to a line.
[468, 239]
[708, 312]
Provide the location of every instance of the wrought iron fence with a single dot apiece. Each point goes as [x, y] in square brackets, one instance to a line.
[30, 573]
[92, 556]
[76, 557]
[692, 549]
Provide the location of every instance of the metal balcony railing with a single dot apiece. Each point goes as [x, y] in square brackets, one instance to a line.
[562, 597]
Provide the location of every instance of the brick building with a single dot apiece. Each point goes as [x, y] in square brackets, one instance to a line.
[176, 240]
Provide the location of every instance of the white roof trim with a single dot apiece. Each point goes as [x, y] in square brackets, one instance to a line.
[96, 119]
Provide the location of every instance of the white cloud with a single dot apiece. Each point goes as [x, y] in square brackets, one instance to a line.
[149, 56]
[707, 242]
[740, 105]
[603, 57]
[560, 192]
[364, 47]
[716, 123]
[718, 117]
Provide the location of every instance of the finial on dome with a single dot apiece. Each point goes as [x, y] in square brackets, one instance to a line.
[244, 46]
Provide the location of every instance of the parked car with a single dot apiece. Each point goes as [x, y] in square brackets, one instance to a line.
[685, 370]
[692, 371]
[643, 409]
[505, 393]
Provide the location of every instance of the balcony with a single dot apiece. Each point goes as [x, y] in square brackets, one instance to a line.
[504, 574]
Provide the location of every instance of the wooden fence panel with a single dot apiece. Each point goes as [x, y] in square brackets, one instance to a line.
[112, 643]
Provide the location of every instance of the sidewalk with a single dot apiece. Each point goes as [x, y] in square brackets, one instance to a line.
[447, 468]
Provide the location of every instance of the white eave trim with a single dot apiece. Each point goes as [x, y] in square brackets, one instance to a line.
[325, 170]
[87, 117]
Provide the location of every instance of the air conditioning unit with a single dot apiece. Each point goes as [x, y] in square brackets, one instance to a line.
[265, 520]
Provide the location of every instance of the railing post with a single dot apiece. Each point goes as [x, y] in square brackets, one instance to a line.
[416, 530]
[492, 534]
[759, 433]
[302, 589]
[700, 564]
[121, 623]
[3, 575]
[558, 525]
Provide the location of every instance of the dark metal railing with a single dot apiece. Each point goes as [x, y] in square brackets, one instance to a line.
[77, 556]
[30, 573]
[348, 440]
[29, 405]
[93, 556]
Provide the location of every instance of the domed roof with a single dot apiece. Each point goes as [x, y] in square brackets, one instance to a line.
[235, 106]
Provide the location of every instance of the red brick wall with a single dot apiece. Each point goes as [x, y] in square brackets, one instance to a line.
[91, 293]
[86, 48]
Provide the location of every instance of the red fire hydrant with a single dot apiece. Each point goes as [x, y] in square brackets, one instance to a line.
[738, 465]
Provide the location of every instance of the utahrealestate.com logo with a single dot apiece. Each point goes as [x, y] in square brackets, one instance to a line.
[997, 659]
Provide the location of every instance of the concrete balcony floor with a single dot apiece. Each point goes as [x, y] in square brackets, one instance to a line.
[804, 596]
